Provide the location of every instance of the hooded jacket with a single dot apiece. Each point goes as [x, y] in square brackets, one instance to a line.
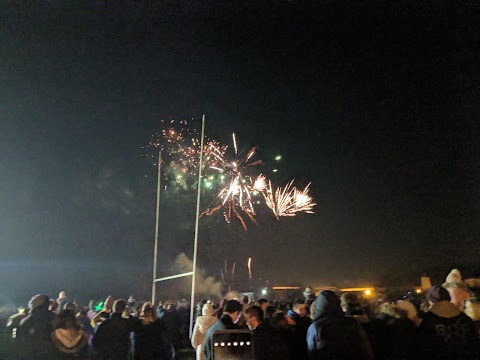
[447, 333]
[70, 343]
[334, 336]
[202, 324]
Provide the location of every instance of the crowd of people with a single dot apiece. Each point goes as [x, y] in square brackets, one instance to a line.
[322, 326]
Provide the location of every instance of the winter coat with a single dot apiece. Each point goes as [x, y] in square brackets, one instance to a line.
[151, 341]
[13, 323]
[300, 329]
[34, 332]
[334, 336]
[69, 344]
[112, 340]
[447, 333]
[202, 324]
[393, 338]
[224, 323]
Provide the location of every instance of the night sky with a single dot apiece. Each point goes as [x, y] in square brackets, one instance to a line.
[375, 103]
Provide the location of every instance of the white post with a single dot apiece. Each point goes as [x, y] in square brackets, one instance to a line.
[192, 300]
[155, 251]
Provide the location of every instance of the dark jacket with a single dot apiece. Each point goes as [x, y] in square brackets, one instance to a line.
[447, 333]
[111, 341]
[334, 336]
[280, 346]
[13, 323]
[261, 336]
[34, 334]
[151, 342]
[299, 342]
[393, 338]
[224, 323]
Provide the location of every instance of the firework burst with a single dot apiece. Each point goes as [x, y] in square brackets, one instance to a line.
[180, 149]
[288, 201]
[233, 173]
[242, 183]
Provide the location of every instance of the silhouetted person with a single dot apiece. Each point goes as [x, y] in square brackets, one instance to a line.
[334, 336]
[34, 330]
[231, 314]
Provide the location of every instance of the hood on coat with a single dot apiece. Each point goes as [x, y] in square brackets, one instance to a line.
[69, 340]
[445, 309]
[204, 322]
[326, 304]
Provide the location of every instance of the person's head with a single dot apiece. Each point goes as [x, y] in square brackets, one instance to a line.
[299, 307]
[453, 276]
[327, 304]
[233, 309]
[66, 320]
[208, 310]
[437, 293]
[279, 321]
[269, 311]
[39, 301]
[119, 306]
[349, 302]
[108, 303]
[409, 310]
[309, 294]
[263, 303]
[245, 300]
[148, 312]
[253, 316]
[82, 314]
[458, 292]
[472, 309]
[62, 294]
[69, 306]
[52, 305]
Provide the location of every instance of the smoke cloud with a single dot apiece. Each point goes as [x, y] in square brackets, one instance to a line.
[204, 285]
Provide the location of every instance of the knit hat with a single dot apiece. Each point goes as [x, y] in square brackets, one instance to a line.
[309, 293]
[454, 276]
[37, 301]
[208, 310]
[437, 293]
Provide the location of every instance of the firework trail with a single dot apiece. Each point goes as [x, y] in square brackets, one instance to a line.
[228, 279]
[249, 264]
